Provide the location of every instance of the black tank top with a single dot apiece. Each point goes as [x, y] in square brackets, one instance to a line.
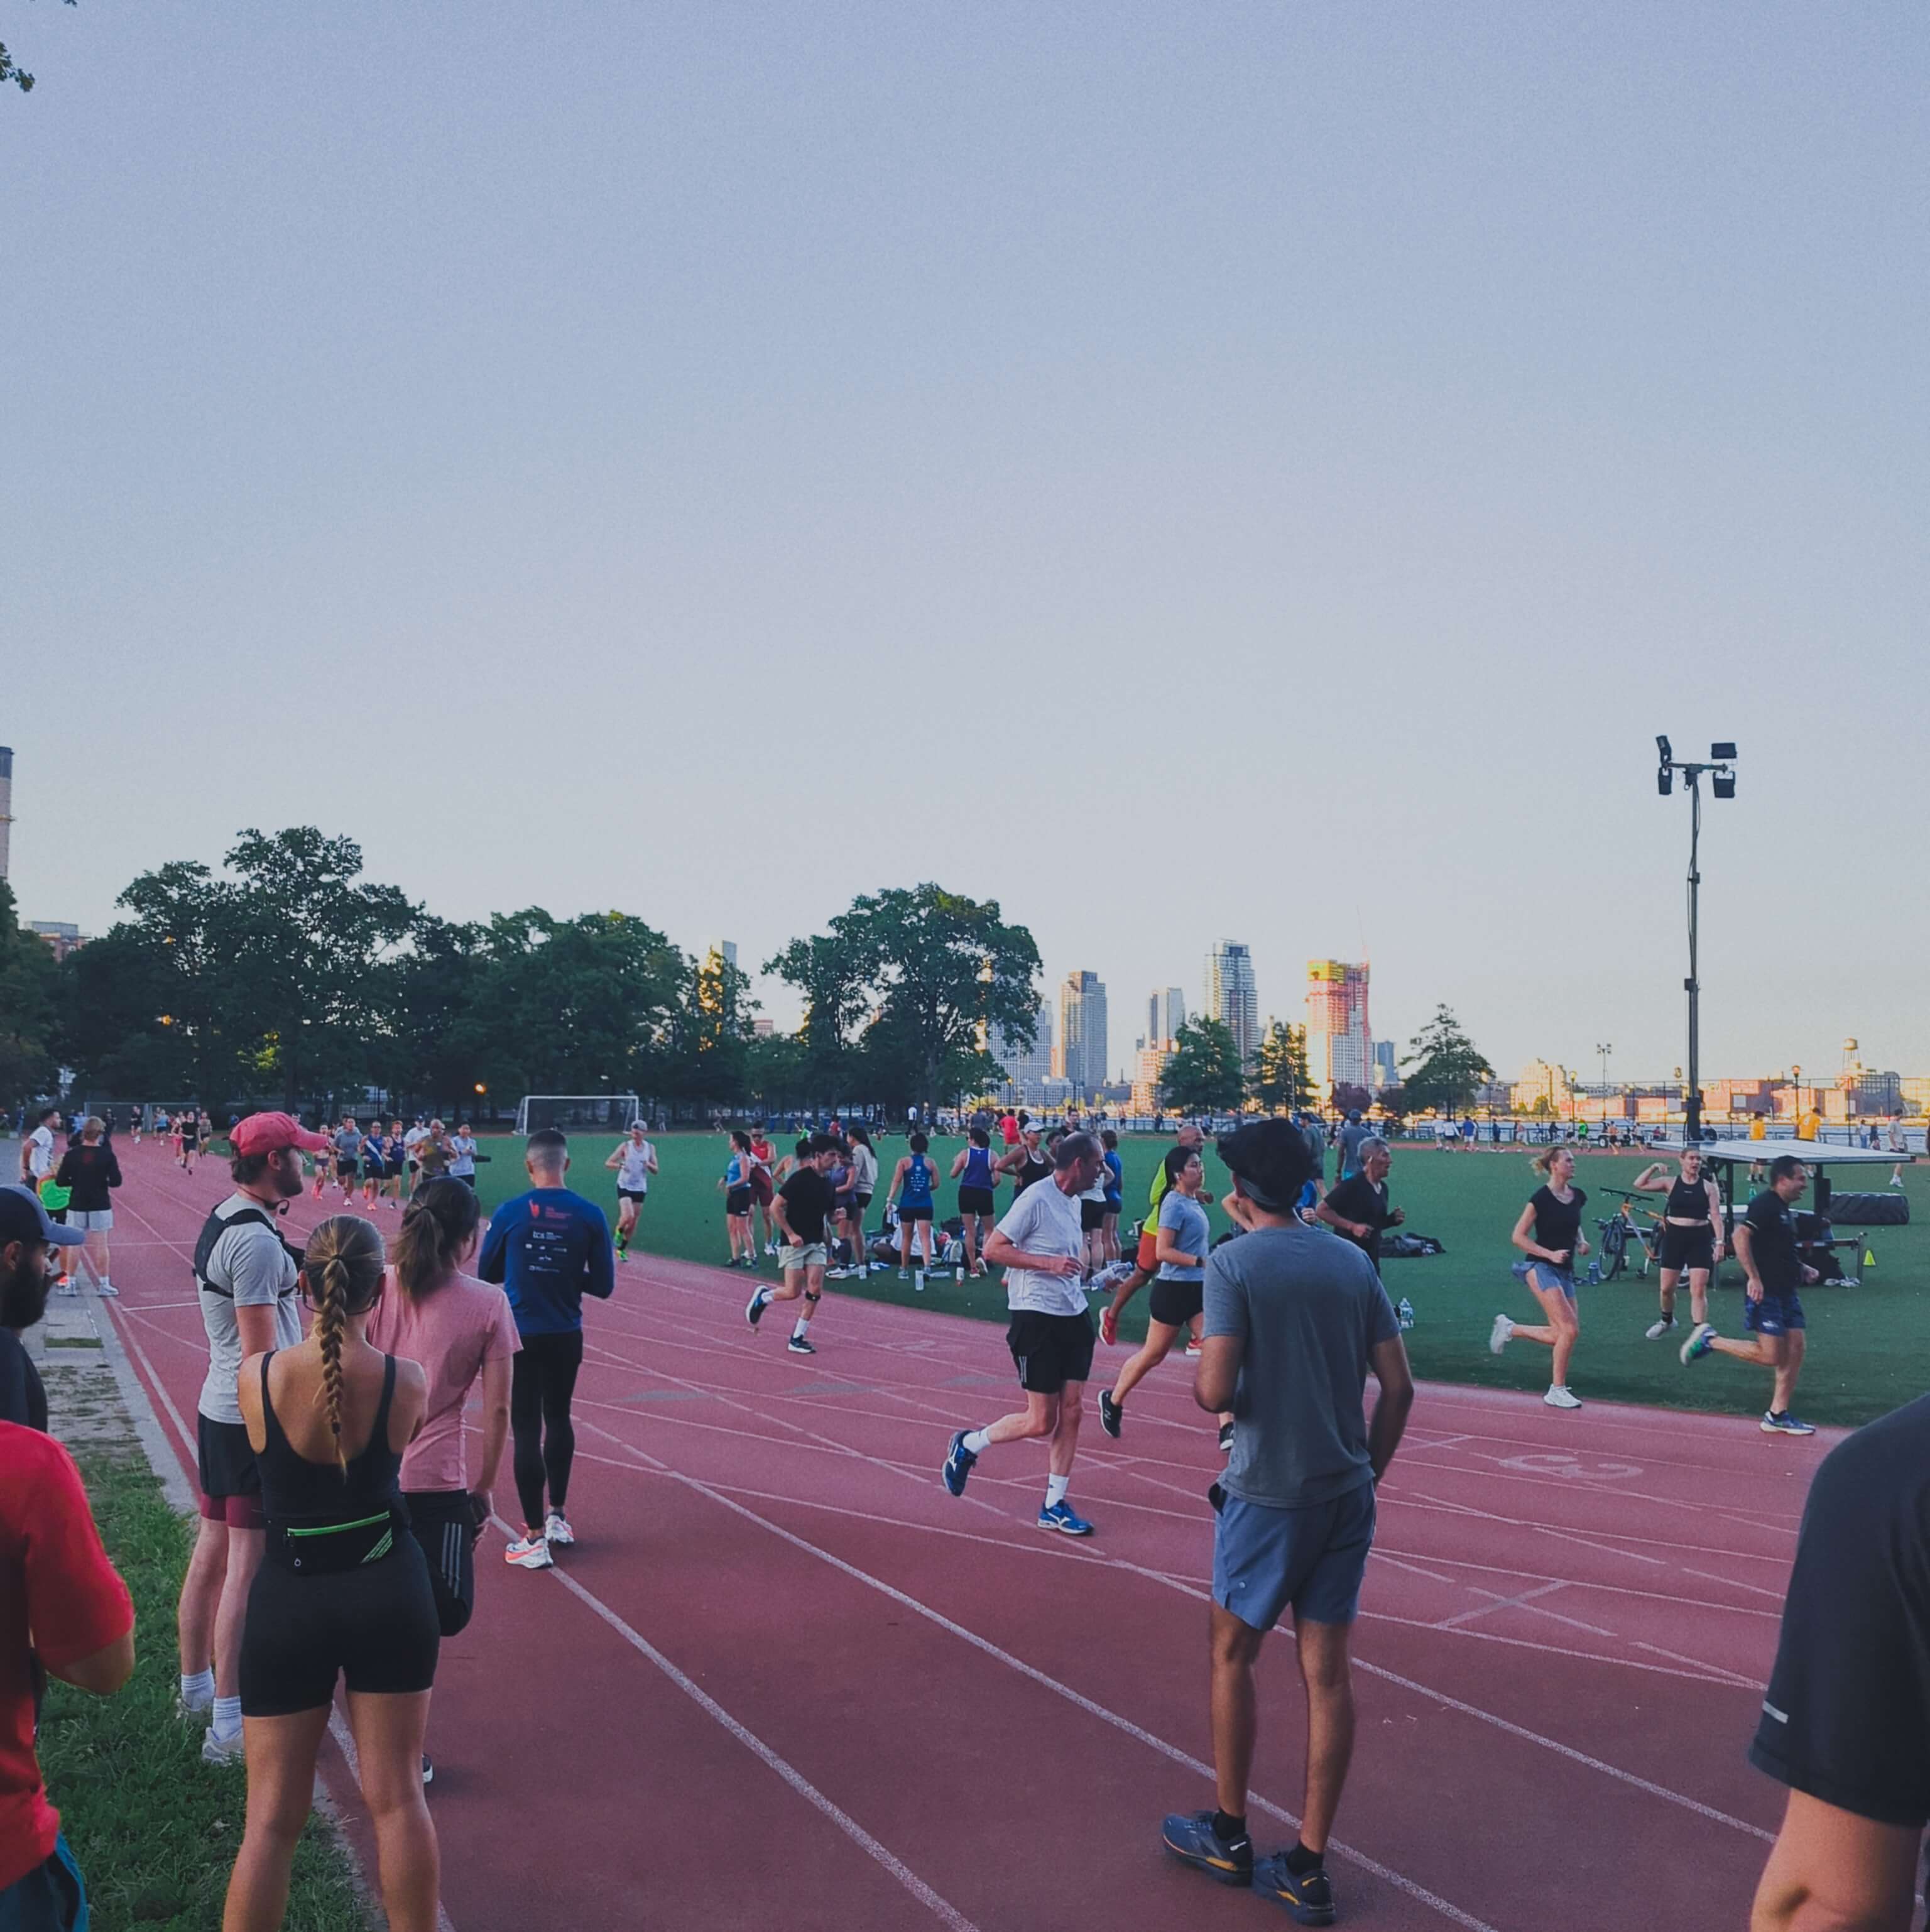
[1688, 1201]
[294, 1489]
[1036, 1168]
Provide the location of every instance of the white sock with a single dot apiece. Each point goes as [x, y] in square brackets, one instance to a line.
[802, 1325]
[227, 1716]
[1055, 1490]
[978, 1443]
[198, 1691]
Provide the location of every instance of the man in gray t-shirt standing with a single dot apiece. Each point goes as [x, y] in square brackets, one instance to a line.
[1295, 1321]
[1040, 1245]
[247, 1281]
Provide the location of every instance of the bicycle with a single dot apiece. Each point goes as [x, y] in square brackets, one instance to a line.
[1618, 1230]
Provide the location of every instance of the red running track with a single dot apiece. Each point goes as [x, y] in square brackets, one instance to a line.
[785, 1678]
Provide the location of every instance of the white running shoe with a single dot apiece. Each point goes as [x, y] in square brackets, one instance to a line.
[530, 1553]
[107, 1289]
[557, 1529]
[224, 1751]
[1501, 1334]
[1657, 1330]
[1560, 1396]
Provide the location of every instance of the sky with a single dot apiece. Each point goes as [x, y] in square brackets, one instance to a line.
[1251, 472]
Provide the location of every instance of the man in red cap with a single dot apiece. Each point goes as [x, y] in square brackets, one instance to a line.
[247, 1277]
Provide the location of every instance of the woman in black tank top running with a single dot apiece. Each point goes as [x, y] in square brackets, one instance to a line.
[343, 1591]
[1548, 1232]
[1692, 1235]
[1025, 1163]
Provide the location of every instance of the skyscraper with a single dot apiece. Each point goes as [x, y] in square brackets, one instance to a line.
[1083, 1031]
[1165, 1014]
[1231, 996]
[1027, 1068]
[6, 804]
[1339, 1046]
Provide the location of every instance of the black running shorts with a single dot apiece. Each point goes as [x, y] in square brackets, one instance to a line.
[1176, 1303]
[1688, 1248]
[977, 1200]
[1050, 1350]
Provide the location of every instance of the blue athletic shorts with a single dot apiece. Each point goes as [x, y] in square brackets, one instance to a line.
[1546, 1276]
[1775, 1315]
[50, 1898]
[1313, 1559]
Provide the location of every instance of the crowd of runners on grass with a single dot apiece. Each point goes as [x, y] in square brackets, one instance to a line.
[340, 1510]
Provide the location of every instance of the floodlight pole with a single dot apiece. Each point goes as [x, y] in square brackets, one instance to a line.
[1692, 1102]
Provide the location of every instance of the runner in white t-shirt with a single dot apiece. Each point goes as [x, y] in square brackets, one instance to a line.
[635, 1160]
[1040, 1245]
[36, 1150]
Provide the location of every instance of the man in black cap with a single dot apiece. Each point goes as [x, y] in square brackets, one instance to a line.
[28, 1239]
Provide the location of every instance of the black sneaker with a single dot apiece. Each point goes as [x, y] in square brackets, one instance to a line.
[1226, 1439]
[1111, 1414]
[428, 1769]
[957, 1464]
[799, 1345]
[1190, 1836]
[754, 1309]
[1309, 1898]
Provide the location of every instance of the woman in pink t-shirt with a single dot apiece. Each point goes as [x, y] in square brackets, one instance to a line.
[460, 1329]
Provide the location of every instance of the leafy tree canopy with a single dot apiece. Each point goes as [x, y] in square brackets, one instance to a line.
[1203, 1074]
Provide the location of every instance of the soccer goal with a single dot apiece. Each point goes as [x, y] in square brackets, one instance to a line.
[575, 1112]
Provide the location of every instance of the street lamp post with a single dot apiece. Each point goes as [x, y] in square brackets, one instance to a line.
[1720, 767]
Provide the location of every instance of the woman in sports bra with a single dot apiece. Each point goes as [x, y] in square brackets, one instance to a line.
[1692, 1233]
[738, 1197]
[911, 1184]
[1548, 1232]
[978, 1205]
[1025, 1164]
[342, 1591]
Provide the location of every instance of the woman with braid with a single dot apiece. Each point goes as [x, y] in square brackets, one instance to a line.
[343, 1591]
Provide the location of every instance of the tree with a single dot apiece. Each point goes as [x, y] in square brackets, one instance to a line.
[11, 70]
[939, 971]
[29, 1008]
[1350, 1098]
[1280, 1082]
[1394, 1104]
[1447, 1066]
[180, 936]
[1203, 1074]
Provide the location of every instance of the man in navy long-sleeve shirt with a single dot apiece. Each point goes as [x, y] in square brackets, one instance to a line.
[548, 1248]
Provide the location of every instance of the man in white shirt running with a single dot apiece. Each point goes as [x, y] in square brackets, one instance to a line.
[1041, 1246]
[635, 1160]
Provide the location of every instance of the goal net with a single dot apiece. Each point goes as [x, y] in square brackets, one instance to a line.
[575, 1112]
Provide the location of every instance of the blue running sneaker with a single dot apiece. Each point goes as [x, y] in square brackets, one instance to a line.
[754, 1308]
[1309, 1896]
[1192, 1838]
[958, 1461]
[1059, 1516]
[1701, 1339]
[1784, 1424]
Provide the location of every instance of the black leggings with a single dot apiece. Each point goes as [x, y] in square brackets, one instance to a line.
[541, 1381]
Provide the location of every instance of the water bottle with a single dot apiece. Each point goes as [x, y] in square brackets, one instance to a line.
[1595, 1274]
[1405, 1310]
[918, 1279]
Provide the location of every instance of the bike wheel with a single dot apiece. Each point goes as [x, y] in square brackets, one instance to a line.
[1614, 1248]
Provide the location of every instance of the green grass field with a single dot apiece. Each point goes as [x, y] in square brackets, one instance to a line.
[1869, 1347]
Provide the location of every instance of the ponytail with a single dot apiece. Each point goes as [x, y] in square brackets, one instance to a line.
[341, 1272]
[1544, 1162]
[436, 1227]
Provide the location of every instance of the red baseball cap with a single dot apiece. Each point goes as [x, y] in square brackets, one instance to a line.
[268, 1133]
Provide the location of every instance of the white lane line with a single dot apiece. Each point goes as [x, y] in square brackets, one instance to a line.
[1501, 1603]
[941, 1908]
[1384, 1872]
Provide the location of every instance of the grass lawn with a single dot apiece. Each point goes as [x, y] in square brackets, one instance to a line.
[1869, 1347]
[154, 1829]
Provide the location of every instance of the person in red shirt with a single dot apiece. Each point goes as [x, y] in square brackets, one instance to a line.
[59, 1596]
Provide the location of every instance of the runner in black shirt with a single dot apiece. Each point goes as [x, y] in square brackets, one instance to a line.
[1549, 1233]
[1356, 1208]
[1846, 1724]
[1766, 1245]
[804, 1204]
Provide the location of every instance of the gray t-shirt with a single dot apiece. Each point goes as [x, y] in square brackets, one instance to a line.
[1193, 1233]
[1351, 1137]
[251, 1264]
[1310, 1310]
[1042, 1221]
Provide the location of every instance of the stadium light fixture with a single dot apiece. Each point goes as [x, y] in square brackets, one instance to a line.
[1720, 771]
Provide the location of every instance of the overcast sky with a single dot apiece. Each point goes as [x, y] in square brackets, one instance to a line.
[1256, 471]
